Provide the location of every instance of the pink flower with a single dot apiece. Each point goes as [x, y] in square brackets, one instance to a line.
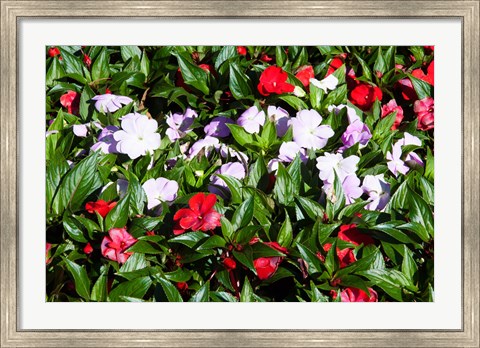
[424, 109]
[390, 107]
[357, 295]
[114, 245]
[71, 101]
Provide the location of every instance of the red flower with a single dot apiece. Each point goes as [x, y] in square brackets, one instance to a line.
[206, 67]
[351, 234]
[357, 295]
[363, 95]
[406, 87]
[48, 246]
[242, 50]
[304, 74]
[274, 80]
[267, 266]
[107, 91]
[229, 263]
[200, 216]
[88, 249]
[54, 51]
[71, 101]
[428, 49]
[390, 107]
[334, 65]
[87, 60]
[100, 206]
[345, 256]
[429, 77]
[114, 245]
[425, 113]
[265, 58]
[182, 286]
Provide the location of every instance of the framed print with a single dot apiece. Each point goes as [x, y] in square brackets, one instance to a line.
[231, 173]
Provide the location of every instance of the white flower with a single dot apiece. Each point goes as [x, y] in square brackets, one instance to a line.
[137, 136]
[110, 102]
[328, 83]
[160, 190]
[252, 119]
[378, 190]
[331, 163]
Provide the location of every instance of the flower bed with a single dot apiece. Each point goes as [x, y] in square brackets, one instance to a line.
[239, 173]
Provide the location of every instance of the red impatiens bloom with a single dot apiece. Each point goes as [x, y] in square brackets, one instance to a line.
[304, 74]
[274, 80]
[114, 245]
[182, 286]
[88, 249]
[357, 295]
[229, 263]
[267, 266]
[363, 95]
[242, 50]
[334, 65]
[71, 101]
[100, 206]
[54, 51]
[345, 256]
[87, 60]
[406, 87]
[200, 216]
[350, 233]
[429, 77]
[425, 113]
[48, 246]
[390, 107]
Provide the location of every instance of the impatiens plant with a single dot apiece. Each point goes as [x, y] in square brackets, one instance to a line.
[228, 174]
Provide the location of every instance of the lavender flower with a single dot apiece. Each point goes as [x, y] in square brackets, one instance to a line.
[218, 127]
[106, 142]
[307, 131]
[179, 124]
[160, 190]
[235, 169]
[289, 150]
[356, 132]
[395, 163]
[228, 152]
[137, 136]
[208, 143]
[351, 113]
[351, 188]
[252, 119]
[110, 102]
[378, 190]
[281, 118]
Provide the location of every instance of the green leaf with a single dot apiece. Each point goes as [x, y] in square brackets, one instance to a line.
[99, 290]
[246, 234]
[245, 257]
[227, 228]
[56, 169]
[244, 214]
[420, 211]
[380, 64]
[212, 242]
[422, 88]
[257, 175]
[192, 74]
[72, 64]
[283, 189]
[365, 69]
[416, 228]
[137, 288]
[240, 135]
[101, 66]
[384, 125]
[128, 52]
[80, 277]
[189, 239]
[313, 209]
[295, 171]
[74, 229]
[264, 250]
[145, 247]
[118, 216]
[235, 187]
[135, 262]
[202, 294]
[351, 209]
[239, 83]
[390, 229]
[179, 275]
[294, 102]
[225, 54]
[170, 290]
[316, 295]
[78, 184]
[247, 292]
[409, 267]
[280, 56]
[313, 262]
[429, 166]
[324, 230]
[391, 281]
[137, 194]
[331, 260]
[285, 235]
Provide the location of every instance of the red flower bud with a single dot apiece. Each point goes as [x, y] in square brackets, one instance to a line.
[88, 249]
[182, 286]
[229, 263]
[242, 50]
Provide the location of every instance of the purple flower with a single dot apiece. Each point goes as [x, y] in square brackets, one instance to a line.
[218, 127]
[137, 136]
[395, 163]
[160, 190]
[235, 169]
[281, 118]
[208, 143]
[179, 124]
[106, 142]
[252, 119]
[351, 188]
[290, 150]
[378, 190]
[329, 164]
[272, 165]
[228, 152]
[110, 102]
[356, 132]
[351, 113]
[307, 131]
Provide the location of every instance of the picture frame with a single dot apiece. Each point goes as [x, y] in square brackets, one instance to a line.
[13, 11]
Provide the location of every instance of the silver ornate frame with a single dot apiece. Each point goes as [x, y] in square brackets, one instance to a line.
[467, 11]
